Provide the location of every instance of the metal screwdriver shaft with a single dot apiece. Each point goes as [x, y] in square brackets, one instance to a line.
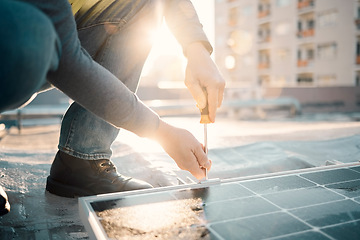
[205, 120]
[205, 139]
[205, 147]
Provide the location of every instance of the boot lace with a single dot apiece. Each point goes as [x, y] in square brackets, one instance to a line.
[108, 166]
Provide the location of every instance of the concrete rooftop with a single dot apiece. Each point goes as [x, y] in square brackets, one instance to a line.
[237, 148]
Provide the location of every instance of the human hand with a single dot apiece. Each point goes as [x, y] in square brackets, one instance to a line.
[183, 147]
[203, 79]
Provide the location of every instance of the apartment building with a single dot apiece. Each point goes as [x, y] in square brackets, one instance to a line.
[295, 45]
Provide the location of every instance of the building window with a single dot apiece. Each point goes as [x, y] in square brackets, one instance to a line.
[358, 51]
[328, 18]
[306, 26]
[264, 9]
[264, 80]
[283, 3]
[264, 33]
[357, 20]
[264, 60]
[247, 11]
[310, 54]
[327, 51]
[305, 79]
[305, 55]
[305, 4]
[299, 26]
[311, 23]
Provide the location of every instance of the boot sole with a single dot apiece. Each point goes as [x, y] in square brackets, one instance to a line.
[63, 190]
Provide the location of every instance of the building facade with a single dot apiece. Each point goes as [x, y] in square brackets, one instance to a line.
[292, 45]
[288, 43]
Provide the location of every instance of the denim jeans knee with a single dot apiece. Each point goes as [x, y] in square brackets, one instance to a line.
[29, 49]
[85, 135]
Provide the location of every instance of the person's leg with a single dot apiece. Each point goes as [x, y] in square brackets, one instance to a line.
[119, 38]
[29, 48]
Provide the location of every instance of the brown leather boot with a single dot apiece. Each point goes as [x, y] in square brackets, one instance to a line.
[76, 177]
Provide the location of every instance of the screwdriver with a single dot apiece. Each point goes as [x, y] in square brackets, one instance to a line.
[205, 120]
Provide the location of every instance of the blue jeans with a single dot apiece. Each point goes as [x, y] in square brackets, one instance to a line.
[27, 52]
[118, 38]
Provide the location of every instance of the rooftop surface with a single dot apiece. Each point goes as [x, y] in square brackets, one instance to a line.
[237, 148]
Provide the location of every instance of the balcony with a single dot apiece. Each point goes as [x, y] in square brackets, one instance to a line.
[263, 14]
[357, 23]
[302, 63]
[305, 3]
[264, 65]
[358, 60]
[266, 39]
[305, 63]
[306, 33]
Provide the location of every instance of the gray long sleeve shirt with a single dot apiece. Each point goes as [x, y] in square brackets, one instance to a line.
[94, 87]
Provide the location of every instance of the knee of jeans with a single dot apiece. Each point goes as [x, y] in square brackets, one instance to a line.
[29, 49]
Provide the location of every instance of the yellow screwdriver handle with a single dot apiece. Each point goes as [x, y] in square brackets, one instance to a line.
[205, 112]
[205, 115]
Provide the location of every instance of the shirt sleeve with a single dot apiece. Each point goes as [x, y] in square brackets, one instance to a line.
[183, 21]
[90, 84]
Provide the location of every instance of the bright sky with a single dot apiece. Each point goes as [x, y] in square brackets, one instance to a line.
[165, 43]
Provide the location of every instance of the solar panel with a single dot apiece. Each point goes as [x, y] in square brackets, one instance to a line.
[318, 203]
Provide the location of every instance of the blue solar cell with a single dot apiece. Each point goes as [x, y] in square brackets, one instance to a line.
[302, 197]
[346, 231]
[260, 227]
[304, 236]
[237, 208]
[350, 189]
[329, 213]
[277, 184]
[355, 169]
[332, 176]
